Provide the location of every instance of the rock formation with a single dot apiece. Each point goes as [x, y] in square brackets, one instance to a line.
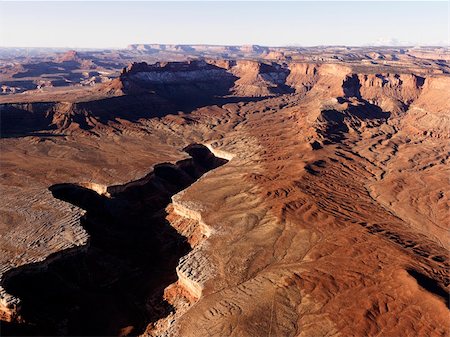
[328, 218]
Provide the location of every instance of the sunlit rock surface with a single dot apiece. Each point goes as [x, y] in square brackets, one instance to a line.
[326, 216]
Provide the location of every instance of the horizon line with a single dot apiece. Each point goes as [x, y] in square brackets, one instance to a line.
[237, 45]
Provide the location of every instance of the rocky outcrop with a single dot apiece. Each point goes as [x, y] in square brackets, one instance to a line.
[244, 78]
[153, 90]
[428, 114]
[257, 79]
[391, 92]
[9, 306]
[185, 82]
[193, 269]
[67, 117]
[45, 226]
[131, 246]
[261, 237]
[27, 117]
[69, 56]
[302, 76]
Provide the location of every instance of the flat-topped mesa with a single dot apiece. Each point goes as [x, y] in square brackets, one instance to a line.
[254, 48]
[154, 90]
[174, 72]
[137, 67]
[201, 49]
[155, 47]
[206, 78]
[190, 83]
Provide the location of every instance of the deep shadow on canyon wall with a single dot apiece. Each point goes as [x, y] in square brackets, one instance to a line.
[32, 119]
[114, 285]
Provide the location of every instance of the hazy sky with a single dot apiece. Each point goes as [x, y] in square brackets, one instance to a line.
[117, 24]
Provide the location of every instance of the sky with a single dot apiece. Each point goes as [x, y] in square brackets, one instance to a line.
[116, 24]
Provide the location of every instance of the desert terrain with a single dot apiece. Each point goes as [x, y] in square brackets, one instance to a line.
[195, 190]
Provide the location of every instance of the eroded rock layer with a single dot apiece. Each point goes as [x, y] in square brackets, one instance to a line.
[131, 254]
[330, 218]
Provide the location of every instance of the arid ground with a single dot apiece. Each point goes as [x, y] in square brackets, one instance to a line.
[225, 191]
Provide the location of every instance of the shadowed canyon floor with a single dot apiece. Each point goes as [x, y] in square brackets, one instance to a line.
[131, 256]
[328, 219]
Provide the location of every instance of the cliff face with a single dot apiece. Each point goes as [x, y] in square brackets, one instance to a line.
[18, 119]
[133, 252]
[172, 73]
[248, 78]
[184, 82]
[145, 91]
[258, 79]
[302, 76]
[392, 92]
[193, 269]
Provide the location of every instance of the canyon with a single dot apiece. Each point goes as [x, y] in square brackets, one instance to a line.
[247, 192]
